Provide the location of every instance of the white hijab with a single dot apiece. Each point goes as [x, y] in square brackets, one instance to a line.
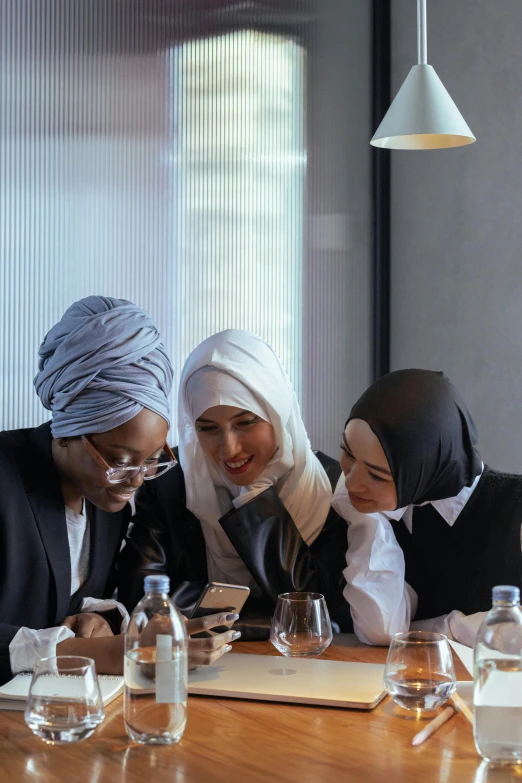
[238, 368]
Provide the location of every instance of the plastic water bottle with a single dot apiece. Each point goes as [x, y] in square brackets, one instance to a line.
[155, 696]
[497, 693]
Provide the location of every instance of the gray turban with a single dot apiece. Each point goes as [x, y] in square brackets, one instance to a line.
[100, 366]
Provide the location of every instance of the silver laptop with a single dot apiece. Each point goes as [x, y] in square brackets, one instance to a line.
[296, 680]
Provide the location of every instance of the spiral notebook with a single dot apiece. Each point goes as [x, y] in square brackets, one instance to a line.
[13, 695]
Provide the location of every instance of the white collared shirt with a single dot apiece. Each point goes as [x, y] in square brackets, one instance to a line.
[448, 508]
[381, 601]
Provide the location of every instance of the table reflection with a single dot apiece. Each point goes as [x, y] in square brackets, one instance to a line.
[488, 773]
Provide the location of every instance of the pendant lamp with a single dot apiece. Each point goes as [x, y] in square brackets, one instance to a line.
[423, 115]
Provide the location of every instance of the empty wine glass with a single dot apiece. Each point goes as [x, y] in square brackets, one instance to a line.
[419, 673]
[65, 702]
[301, 625]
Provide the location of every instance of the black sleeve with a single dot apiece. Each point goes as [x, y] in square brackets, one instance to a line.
[9, 512]
[112, 585]
[113, 616]
[7, 632]
[164, 538]
[145, 550]
[269, 543]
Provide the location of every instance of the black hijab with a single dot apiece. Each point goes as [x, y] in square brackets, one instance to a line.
[426, 432]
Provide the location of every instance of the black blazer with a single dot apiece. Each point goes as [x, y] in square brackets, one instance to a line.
[35, 564]
[165, 537]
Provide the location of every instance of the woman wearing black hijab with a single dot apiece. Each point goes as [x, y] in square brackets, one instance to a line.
[430, 530]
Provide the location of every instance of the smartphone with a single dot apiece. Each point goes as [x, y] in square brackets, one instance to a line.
[219, 597]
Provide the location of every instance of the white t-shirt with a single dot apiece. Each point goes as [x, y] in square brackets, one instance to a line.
[78, 533]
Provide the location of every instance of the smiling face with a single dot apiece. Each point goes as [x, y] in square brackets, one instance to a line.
[237, 441]
[367, 473]
[137, 442]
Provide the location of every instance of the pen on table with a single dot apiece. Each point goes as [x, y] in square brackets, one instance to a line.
[433, 725]
[458, 705]
[462, 707]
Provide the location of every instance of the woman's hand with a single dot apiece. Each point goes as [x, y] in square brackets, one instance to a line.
[107, 652]
[209, 649]
[205, 650]
[88, 624]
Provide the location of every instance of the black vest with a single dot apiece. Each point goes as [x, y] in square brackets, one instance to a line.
[455, 567]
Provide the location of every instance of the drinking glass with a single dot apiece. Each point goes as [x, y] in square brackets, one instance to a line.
[65, 702]
[301, 625]
[419, 673]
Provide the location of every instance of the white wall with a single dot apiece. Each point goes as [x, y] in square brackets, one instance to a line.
[456, 225]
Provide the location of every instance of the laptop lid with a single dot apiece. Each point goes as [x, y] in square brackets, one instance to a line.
[296, 680]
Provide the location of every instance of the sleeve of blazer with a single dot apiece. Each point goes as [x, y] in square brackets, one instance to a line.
[145, 550]
[164, 538]
[6, 635]
[269, 543]
[112, 585]
[7, 631]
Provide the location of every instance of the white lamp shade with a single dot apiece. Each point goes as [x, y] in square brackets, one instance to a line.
[423, 116]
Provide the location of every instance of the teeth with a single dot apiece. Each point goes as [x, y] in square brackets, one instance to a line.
[235, 465]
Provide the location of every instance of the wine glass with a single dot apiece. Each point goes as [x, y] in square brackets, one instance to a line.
[301, 625]
[419, 672]
[65, 702]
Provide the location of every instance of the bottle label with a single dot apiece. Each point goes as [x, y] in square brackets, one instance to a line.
[168, 671]
[497, 688]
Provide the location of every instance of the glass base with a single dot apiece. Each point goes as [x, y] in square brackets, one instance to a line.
[300, 652]
[153, 739]
[515, 761]
[62, 736]
[311, 654]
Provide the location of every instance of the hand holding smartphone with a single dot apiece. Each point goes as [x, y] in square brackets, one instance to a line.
[220, 597]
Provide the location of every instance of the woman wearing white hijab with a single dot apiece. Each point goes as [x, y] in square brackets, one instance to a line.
[250, 502]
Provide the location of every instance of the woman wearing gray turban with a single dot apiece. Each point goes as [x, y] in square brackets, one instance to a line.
[100, 366]
[65, 486]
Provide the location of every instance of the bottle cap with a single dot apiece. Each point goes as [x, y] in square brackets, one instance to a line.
[506, 593]
[159, 583]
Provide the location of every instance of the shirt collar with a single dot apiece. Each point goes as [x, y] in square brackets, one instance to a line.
[448, 508]
[74, 516]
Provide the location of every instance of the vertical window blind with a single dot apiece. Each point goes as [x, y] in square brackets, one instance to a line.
[159, 152]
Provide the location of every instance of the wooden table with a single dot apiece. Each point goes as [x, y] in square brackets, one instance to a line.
[235, 741]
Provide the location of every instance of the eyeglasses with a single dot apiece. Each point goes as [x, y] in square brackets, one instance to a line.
[118, 475]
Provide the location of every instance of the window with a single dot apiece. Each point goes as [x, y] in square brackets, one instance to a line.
[212, 167]
[238, 168]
